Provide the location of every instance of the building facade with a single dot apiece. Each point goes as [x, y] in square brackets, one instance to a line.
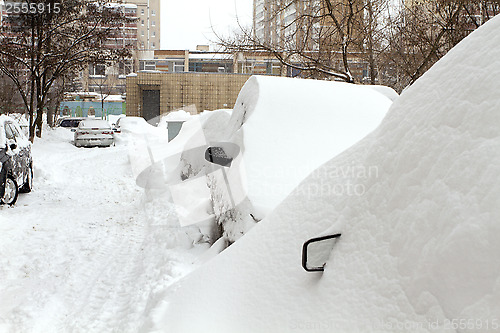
[151, 94]
[202, 61]
[109, 79]
[148, 14]
[142, 36]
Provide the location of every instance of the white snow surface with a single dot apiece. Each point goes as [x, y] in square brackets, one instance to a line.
[87, 250]
[287, 127]
[419, 246]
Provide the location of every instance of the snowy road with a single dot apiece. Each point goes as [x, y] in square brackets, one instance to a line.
[86, 251]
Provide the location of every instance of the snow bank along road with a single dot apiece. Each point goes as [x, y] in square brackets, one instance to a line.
[81, 253]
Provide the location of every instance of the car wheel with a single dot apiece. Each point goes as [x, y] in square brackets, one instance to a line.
[28, 184]
[10, 191]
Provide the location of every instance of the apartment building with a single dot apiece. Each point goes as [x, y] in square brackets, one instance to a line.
[148, 27]
[273, 21]
[109, 79]
[142, 36]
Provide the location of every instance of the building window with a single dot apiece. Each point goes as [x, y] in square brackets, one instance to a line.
[142, 33]
[142, 22]
[142, 11]
[153, 23]
[147, 65]
[97, 70]
[178, 67]
[153, 34]
[152, 45]
[153, 12]
[125, 68]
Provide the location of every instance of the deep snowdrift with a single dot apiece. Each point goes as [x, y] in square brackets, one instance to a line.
[419, 247]
[287, 127]
[282, 128]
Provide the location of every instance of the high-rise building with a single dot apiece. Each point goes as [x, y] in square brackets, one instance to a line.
[274, 21]
[270, 19]
[148, 26]
[144, 34]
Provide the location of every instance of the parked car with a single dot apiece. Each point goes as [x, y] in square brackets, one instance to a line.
[116, 125]
[93, 133]
[130, 124]
[70, 122]
[16, 163]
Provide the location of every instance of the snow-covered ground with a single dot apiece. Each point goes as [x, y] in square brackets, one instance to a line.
[417, 202]
[87, 250]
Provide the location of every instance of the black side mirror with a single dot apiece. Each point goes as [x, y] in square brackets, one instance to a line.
[222, 154]
[316, 251]
[11, 144]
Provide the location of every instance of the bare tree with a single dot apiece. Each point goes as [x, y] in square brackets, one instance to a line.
[317, 37]
[107, 82]
[420, 33]
[43, 40]
[10, 101]
[393, 41]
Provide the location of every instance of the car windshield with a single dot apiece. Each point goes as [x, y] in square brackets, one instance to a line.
[70, 122]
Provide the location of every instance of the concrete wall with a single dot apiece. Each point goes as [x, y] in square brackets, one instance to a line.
[189, 91]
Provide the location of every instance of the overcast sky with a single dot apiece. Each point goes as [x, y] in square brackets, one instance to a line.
[186, 23]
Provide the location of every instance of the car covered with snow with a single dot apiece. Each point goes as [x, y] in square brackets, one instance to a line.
[131, 124]
[94, 133]
[411, 213]
[16, 164]
[283, 129]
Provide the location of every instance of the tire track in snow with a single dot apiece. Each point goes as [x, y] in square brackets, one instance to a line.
[95, 232]
[81, 253]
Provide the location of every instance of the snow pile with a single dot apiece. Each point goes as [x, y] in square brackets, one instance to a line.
[177, 171]
[419, 246]
[288, 127]
[179, 115]
[284, 128]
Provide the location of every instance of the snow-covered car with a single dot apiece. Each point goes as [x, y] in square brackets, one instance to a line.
[131, 124]
[405, 221]
[16, 164]
[70, 122]
[94, 133]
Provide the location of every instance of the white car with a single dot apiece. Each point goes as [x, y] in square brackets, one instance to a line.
[94, 133]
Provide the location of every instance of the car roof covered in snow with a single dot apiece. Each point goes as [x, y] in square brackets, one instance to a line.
[91, 123]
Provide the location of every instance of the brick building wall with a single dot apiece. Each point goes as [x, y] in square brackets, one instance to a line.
[191, 91]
